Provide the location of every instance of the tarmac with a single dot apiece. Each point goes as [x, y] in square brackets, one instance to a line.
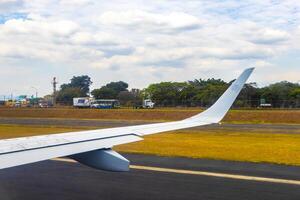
[151, 177]
[71, 180]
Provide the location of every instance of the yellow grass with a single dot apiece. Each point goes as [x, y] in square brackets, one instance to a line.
[13, 131]
[213, 144]
[168, 114]
[236, 146]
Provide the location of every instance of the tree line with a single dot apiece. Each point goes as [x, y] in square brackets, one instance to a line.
[198, 92]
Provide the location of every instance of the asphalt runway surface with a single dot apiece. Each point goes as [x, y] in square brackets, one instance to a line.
[266, 128]
[65, 180]
[151, 177]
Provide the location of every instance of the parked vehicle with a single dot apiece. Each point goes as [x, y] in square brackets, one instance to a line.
[82, 102]
[105, 103]
[265, 105]
[18, 104]
[45, 105]
[147, 103]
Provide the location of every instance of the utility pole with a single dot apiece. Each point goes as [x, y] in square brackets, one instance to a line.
[54, 83]
[36, 91]
[35, 102]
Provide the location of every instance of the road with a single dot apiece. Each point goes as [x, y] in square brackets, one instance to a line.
[68, 180]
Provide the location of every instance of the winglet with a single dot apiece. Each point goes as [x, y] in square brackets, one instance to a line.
[218, 110]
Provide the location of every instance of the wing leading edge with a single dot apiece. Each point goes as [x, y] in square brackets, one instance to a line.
[20, 151]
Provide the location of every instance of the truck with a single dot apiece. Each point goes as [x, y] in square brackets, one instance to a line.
[82, 102]
[146, 103]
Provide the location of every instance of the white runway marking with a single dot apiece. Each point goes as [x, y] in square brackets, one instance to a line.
[204, 173]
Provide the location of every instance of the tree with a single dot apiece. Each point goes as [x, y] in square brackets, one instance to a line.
[104, 93]
[82, 82]
[206, 92]
[126, 98]
[67, 94]
[78, 87]
[201, 83]
[210, 93]
[249, 96]
[187, 95]
[295, 96]
[117, 86]
[278, 94]
[110, 90]
[295, 93]
[166, 93]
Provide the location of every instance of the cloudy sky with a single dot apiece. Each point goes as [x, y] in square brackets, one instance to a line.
[141, 42]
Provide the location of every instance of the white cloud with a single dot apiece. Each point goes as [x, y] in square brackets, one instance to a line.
[5, 2]
[36, 37]
[87, 38]
[145, 21]
[262, 64]
[142, 43]
[268, 36]
[38, 25]
[272, 35]
[76, 3]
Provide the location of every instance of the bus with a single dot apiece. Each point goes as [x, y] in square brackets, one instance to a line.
[105, 103]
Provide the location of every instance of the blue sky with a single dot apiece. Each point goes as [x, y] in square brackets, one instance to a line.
[141, 43]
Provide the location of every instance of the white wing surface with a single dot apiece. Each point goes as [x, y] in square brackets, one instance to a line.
[93, 148]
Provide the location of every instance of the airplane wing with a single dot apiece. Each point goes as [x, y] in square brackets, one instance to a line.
[94, 147]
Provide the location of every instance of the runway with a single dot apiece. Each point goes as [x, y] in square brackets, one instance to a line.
[70, 180]
[151, 177]
[202, 173]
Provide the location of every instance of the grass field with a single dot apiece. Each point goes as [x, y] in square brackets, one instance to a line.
[240, 145]
[235, 146]
[234, 116]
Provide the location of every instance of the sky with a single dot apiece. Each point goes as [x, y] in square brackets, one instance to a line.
[143, 42]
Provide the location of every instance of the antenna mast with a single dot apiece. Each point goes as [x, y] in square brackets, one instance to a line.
[54, 83]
